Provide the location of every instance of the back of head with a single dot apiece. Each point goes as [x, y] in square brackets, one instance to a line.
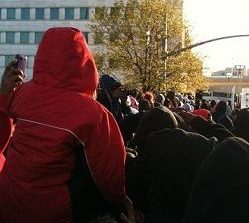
[203, 113]
[212, 103]
[204, 104]
[221, 107]
[144, 105]
[150, 97]
[109, 83]
[64, 61]
[187, 107]
[210, 129]
[199, 124]
[220, 192]
[156, 119]
[160, 99]
[241, 124]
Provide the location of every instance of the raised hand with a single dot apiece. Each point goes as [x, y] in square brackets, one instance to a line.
[12, 77]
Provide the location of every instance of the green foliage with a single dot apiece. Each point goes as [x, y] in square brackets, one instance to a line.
[134, 34]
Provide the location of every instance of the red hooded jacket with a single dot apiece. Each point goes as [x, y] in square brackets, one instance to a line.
[54, 113]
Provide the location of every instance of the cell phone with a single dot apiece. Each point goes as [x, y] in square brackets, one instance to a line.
[21, 62]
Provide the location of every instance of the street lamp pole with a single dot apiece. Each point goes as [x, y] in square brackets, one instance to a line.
[239, 69]
[175, 52]
[228, 76]
[148, 40]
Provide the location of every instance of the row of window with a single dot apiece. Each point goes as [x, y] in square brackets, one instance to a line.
[40, 13]
[25, 37]
[9, 58]
[10, 38]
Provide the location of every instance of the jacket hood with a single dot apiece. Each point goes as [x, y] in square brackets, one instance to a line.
[63, 60]
[156, 119]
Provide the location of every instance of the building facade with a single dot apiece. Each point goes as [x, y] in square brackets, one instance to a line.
[22, 24]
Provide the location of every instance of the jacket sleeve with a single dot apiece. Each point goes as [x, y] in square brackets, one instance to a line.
[5, 128]
[105, 153]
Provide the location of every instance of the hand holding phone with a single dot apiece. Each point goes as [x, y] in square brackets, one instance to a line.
[11, 79]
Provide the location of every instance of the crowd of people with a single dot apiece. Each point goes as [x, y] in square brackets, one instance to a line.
[76, 147]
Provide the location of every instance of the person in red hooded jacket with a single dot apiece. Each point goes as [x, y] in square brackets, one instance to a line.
[65, 160]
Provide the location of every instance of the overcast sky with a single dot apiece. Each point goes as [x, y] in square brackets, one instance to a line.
[209, 19]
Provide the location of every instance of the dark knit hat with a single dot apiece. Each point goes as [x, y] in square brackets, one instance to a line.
[109, 83]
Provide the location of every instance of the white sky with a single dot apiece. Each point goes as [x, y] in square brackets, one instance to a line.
[209, 19]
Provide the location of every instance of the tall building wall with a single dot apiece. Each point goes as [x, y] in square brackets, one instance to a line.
[22, 24]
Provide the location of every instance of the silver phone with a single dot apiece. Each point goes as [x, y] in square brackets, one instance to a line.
[21, 62]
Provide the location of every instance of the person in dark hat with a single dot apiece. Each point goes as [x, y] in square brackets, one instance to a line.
[109, 95]
[220, 116]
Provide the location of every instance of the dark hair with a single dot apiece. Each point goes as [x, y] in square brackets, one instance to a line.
[150, 97]
[156, 119]
[144, 105]
[212, 103]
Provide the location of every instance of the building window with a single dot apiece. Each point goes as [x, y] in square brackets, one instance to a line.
[69, 13]
[24, 37]
[25, 13]
[39, 13]
[54, 13]
[11, 13]
[38, 37]
[85, 34]
[84, 13]
[8, 59]
[10, 37]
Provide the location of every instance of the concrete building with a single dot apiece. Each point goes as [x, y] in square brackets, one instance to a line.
[229, 83]
[236, 71]
[22, 24]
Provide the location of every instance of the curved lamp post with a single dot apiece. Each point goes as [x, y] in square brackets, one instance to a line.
[175, 52]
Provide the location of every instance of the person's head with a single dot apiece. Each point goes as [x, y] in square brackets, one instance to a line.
[234, 114]
[156, 119]
[160, 99]
[63, 60]
[204, 104]
[144, 105]
[117, 92]
[212, 106]
[113, 86]
[203, 113]
[168, 103]
[241, 124]
[187, 107]
[150, 97]
[221, 107]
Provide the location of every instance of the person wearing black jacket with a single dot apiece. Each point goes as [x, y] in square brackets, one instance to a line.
[159, 180]
[220, 192]
[220, 116]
